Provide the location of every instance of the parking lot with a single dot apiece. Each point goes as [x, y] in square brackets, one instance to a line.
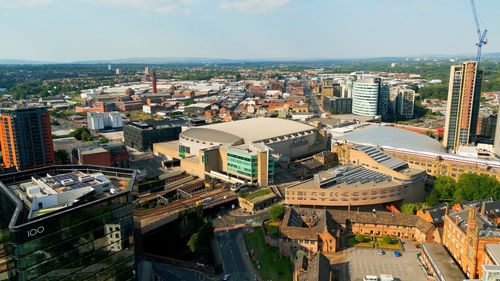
[361, 262]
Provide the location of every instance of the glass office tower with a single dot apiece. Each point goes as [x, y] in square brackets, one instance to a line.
[90, 238]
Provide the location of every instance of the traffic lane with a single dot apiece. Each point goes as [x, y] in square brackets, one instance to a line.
[231, 255]
[173, 273]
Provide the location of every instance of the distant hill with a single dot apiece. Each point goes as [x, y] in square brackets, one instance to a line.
[194, 60]
[8, 61]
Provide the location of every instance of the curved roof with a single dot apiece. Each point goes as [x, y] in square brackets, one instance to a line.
[394, 138]
[250, 130]
[208, 135]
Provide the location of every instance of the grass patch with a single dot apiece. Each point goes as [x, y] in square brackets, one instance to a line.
[272, 267]
[272, 228]
[250, 196]
[352, 242]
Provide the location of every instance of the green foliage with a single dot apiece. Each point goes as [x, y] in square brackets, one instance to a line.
[250, 196]
[103, 140]
[62, 156]
[361, 238]
[189, 102]
[86, 136]
[276, 212]
[200, 242]
[60, 113]
[308, 101]
[272, 265]
[81, 133]
[411, 208]
[193, 242]
[438, 91]
[387, 239]
[468, 187]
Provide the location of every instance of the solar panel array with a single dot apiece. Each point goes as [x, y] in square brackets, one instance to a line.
[352, 175]
[382, 158]
[70, 176]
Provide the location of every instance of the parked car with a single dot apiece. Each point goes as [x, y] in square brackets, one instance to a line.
[370, 278]
[386, 277]
[381, 252]
[397, 253]
[226, 277]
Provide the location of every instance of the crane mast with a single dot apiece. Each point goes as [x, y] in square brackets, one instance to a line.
[480, 34]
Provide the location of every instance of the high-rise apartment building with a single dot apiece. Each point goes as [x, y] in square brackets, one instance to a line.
[26, 137]
[497, 135]
[402, 101]
[102, 120]
[464, 94]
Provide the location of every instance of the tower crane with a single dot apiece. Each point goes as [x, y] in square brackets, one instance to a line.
[481, 35]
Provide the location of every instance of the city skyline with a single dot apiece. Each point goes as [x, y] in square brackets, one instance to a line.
[44, 30]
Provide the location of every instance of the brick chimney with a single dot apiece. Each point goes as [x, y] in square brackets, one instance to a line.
[471, 220]
[483, 208]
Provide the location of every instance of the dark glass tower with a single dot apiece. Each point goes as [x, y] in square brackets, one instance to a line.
[87, 236]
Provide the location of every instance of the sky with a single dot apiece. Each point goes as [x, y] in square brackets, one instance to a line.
[76, 30]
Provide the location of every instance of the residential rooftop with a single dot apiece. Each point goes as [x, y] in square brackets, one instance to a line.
[442, 261]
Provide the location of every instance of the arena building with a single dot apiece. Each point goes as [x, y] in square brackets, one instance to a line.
[418, 150]
[370, 179]
[242, 151]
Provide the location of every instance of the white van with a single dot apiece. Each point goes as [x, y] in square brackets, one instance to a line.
[370, 278]
[386, 277]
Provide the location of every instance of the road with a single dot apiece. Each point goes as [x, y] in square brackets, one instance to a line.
[315, 108]
[231, 249]
[164, 272]
[230, 219]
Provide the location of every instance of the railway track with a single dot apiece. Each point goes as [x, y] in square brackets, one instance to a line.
[184, 204]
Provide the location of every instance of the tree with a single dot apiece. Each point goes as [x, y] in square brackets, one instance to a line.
[80, 133]
[468, 187]
[62, 156]
[86, 136]
[103, 140]
[276, 212]
[193, 242]
[387, 239]
[411, 208]
[308, 101]
[200, 242]
[188, 102]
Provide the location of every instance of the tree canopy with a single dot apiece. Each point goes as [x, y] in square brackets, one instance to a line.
[81, 133]
[276, 212]
[411, 208]
[469, 187]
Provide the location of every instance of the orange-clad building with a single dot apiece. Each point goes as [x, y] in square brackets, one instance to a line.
[26, 137]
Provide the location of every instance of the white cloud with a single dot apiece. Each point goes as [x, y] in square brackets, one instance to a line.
[23, 3]
[253, 6]
[177, 7]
